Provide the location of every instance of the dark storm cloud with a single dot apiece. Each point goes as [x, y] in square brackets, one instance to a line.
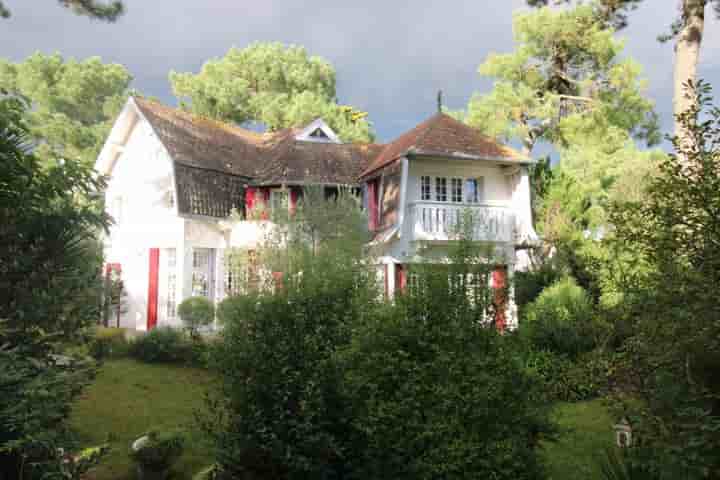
[391, 56]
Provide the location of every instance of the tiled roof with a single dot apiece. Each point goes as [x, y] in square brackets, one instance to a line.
[442, 135]
[203, 143]
[277, 157]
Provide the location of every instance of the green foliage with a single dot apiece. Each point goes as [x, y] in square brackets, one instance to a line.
[566, 379]
[159, 451]
[196, 312]
[36, 390]
[566, 83]
[436, 398]
[562, 320]
[279, 86]
[74, 103]
[90, 8]
[108, 343]
[49, 223]
[229, 308]
[162, 345]
[623, 465]
[671, 354]
[321, 380]
[611, 12]
[529, 284]
[283, 413]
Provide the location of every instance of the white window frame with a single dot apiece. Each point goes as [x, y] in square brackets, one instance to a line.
[441, 190]
[456, 190]
[425, 188]
[276, 192]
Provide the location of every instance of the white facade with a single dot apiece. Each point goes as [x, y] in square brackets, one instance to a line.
[494, 194]
[184, 254]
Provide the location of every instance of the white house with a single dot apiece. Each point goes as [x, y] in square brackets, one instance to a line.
[175, 179]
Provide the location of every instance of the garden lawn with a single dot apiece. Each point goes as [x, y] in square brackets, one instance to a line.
[585, 432]
[128, 398]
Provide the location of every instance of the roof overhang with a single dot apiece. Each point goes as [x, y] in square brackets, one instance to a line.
[466, 156]
[118, 137]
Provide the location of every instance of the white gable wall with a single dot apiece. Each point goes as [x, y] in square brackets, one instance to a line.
[138, 193]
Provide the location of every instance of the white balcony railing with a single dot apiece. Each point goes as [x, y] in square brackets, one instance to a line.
[441, 222]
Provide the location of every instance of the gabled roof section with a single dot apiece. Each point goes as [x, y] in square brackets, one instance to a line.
[308, 163]
[200, 142]
[442, 135]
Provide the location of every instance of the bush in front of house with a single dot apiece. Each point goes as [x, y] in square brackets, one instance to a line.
[196, 312]
[108, 343]
[438, 394]
[567, 380]
[562, 320]
[155, 453]
[230, 308]
[162, 345]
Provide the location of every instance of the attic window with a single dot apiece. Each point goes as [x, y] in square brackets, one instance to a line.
[318, 133]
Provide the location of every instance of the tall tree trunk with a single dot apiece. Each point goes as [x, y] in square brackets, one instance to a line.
[687, 53]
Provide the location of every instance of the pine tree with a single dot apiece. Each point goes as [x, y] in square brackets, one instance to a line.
[90, 8]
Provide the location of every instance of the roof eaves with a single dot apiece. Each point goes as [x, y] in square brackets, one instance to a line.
[467, 156]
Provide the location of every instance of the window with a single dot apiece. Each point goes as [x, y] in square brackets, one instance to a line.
[441, 189]
[456, 190]
[474, 190]
[318, 133]
[279, 201]
[425, 188]
[202, 272]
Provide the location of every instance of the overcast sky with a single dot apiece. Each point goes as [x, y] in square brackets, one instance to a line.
[391, 56]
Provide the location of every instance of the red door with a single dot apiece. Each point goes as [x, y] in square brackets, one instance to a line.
[153, 288]
[400, 278]
[499, 283]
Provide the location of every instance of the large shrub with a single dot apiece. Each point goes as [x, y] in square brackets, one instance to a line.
[562, 320]
[36, 391]
[439, 393]
[196, 312]
[50, 220]
[284, 414]
[162, 345]
[108, 343]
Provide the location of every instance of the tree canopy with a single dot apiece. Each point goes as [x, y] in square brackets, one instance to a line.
[279, 86]
[109, 12]
[74, 102]
[565, 83]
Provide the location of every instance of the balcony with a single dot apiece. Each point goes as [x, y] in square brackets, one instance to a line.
[432, 221]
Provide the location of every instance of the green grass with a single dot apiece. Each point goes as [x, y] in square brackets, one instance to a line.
[585, 432]
[127, 399]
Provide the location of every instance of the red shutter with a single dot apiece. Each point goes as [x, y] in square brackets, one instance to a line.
[400, 278]
[249, 201]
[294, 192]
[499, 283]
[152, 301]
[372, 187]
[278, 279]
[266, 199]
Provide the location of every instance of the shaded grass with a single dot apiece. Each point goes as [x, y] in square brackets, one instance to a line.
[585, 432]
[127, 399]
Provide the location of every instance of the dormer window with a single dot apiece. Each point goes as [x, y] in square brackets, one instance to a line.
[318, 133]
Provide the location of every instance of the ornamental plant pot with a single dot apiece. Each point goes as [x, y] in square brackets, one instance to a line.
[155, 453]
